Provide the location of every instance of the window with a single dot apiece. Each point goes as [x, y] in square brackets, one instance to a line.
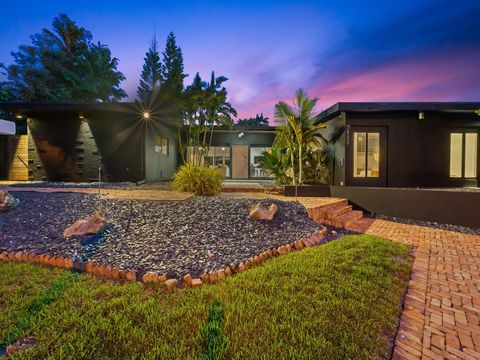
[463, 155]
[218, 156]
[366, 154]
[161, 145]
[256, 153]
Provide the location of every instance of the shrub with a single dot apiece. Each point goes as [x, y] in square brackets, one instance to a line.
[198, 179]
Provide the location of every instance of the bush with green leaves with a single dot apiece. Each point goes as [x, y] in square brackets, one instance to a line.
[198, 179]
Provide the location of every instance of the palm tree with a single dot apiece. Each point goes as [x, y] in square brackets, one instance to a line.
[300, 120]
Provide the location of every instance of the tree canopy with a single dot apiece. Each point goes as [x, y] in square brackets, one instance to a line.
[259, 121]
[151, 77]
[63, 64]
[172, 71]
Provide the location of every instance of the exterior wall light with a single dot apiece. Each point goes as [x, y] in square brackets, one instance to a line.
[19, 116]
[421, 115]
[146, 115]
[241, 134]
[81, 116]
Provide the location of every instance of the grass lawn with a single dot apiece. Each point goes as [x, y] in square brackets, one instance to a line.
[340, 300]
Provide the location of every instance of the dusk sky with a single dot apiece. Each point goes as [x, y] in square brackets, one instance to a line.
[423, 50]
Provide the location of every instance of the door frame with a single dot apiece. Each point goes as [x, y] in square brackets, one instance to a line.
[381, 180]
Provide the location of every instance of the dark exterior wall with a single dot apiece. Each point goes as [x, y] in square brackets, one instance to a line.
[447, 207]
[334, 133]
[418, 150]
[159, 166]
[63, 147]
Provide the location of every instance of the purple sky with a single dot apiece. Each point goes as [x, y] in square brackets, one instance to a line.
[336, 50]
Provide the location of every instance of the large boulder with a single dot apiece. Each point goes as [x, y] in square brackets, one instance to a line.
[90, 226]
[7, 201]
[259, 212]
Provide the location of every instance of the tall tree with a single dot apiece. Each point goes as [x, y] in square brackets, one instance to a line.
[64, 64]
[151, 77]
[172, 70]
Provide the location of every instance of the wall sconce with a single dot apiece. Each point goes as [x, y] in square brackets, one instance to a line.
[421, 115]
[19, 116]
[241, 134]
[146, 115]
[80, 116]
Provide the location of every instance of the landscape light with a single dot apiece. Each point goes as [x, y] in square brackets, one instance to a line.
[19, 116]
[80, 116]
[146, 115]
[421, 115]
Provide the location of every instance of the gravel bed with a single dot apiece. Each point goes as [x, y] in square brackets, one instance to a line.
[172, 237]
[73, 185]
[430, 224]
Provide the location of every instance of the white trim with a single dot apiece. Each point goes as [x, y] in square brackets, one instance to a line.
[7, 127]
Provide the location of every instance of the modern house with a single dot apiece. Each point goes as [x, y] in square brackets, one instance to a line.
[404, 144]
[72, 141]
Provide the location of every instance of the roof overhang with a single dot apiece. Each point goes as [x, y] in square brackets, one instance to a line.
[346, 107]
[7, 127]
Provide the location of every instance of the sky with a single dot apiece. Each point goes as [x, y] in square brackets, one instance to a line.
[422, 50]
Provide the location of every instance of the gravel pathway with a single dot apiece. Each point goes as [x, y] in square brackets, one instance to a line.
[172, 237]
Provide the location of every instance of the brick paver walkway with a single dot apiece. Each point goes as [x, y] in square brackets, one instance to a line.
[441, 313]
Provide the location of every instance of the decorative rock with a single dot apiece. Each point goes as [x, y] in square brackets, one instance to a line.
[123, 274]
[241, 267]
[93, 225]
[162, 278]
[334, 233]
[170, 284]
[228, 271]
[7, 201]
[258, 212]
[221, 274]
[324, 231]
[188, 279]
[150, 277]
[18, 256]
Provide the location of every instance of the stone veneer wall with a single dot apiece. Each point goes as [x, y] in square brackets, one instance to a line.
[76, 160]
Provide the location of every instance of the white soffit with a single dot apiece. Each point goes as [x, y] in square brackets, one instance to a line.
[7, 127]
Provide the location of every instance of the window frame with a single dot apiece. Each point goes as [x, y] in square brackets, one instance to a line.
[463, 132]
[366, 132]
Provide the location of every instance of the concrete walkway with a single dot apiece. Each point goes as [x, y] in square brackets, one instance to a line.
[440, 319]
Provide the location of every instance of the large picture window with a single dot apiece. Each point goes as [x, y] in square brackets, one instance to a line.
[366, 154]
[463, 155]
[218, 156]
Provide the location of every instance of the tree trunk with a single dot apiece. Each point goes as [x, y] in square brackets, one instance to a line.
[292, 159]
[300, 166]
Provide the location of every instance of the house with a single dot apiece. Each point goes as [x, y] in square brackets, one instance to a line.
[403, 144]
[120, 141]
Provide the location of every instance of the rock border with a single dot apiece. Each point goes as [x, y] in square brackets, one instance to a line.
[154, 278]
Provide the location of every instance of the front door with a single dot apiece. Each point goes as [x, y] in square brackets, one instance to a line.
[240, 161]
[366, 156]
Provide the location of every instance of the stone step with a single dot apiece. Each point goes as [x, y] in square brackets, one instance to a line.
[347, 219]
[317, 212]
[333, 212]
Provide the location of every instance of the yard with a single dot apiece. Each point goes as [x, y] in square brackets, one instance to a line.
[338, 300]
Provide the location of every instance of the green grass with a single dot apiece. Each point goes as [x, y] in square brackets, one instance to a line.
[340, 300]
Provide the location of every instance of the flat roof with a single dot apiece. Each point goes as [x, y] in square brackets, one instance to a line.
[340, 107]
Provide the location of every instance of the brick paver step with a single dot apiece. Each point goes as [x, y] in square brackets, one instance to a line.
[335, 211]
[347, 219]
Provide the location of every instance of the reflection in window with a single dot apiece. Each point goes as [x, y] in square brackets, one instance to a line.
[463, 153]
[218, 156]
[366, 154]
[373, 160]
[471, 155]
[256, 154]
[359, 159]
[456, 155]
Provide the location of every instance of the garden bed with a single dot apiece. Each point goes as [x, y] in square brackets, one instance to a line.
[197, 235]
